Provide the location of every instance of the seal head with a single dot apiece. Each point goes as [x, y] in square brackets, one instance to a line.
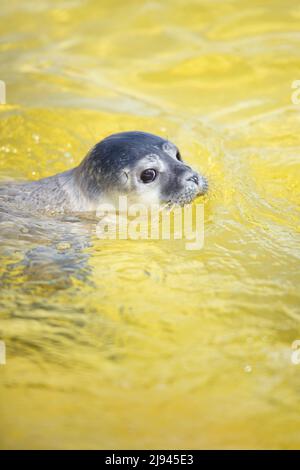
[146, 168]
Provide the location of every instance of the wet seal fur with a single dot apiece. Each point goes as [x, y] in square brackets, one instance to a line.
[146, 168]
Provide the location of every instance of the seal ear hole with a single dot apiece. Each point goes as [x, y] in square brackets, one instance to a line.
[178, 156]
[149, 175]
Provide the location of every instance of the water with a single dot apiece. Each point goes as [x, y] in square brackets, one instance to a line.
[139, 344]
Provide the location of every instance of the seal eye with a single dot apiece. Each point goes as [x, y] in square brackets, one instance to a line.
[148, 175]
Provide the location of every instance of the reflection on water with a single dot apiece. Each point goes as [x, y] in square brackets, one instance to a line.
[123, 344]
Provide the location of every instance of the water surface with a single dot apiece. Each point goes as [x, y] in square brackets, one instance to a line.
[143, 344]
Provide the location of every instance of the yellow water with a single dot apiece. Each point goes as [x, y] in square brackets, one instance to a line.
[143, 344]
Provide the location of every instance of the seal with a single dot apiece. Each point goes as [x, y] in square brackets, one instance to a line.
[146, 168]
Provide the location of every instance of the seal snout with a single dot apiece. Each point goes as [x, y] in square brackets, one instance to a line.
[203, 185]
[199, 180]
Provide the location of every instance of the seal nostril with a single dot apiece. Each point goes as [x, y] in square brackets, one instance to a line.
[194, 178]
